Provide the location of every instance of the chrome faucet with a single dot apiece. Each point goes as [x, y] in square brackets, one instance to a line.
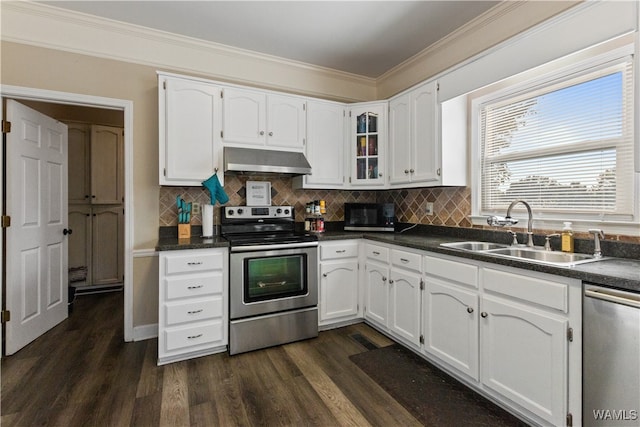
[597, 235]
[507, 220]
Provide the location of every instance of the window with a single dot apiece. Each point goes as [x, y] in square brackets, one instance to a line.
[563, 142]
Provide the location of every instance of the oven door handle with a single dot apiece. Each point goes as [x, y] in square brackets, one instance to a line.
[254, 248]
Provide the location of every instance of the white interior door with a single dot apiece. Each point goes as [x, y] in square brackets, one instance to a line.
[36, 248]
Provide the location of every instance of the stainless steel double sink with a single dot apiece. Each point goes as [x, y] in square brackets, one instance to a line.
[525, 253]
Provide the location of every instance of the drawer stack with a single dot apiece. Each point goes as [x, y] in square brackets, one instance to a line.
[192, 304]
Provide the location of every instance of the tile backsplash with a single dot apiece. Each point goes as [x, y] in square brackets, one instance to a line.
[451, 205]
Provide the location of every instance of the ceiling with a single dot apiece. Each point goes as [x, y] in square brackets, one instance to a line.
[367, 38]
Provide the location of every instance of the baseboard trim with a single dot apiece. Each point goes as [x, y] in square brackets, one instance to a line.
[145, 332]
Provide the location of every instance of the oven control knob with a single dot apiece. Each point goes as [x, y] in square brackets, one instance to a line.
[286, 211]
[279, 211]
[230, 212]
[239, 211]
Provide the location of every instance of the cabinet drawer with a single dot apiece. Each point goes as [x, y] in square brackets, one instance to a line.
[377, 252]
[195, 285]
[191, 336]
[338, 250]
[193, 261]
[536, 290]
[191, 311]
[452, 270]
[406, 260]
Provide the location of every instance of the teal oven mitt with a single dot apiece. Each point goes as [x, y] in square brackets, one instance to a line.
[215, 190]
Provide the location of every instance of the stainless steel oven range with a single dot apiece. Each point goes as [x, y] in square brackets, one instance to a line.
[273, 283]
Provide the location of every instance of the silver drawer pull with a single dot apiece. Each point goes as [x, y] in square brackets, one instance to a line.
[341, 251]
[195, 263]
[404, 260]
[194, 311]
[376, 253]
[194, 287]
[469, 309]
[193, 337]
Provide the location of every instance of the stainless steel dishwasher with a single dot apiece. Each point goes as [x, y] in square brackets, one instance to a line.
[610, 357]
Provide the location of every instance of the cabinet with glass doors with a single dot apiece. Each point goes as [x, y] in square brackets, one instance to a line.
[368, 144]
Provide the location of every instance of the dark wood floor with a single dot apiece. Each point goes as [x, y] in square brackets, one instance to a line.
[82, 374]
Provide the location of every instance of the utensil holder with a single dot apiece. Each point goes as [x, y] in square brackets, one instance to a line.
[184, 231]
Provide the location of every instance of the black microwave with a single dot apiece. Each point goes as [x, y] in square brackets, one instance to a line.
[369, 216]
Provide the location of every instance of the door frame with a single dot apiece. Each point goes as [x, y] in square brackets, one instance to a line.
[126, 106]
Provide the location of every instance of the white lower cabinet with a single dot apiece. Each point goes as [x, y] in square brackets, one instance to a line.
[524, 357]
[510, 333]
[393, 285]
[376, 294]
[451, 325]
[339, 285]
[193, 304]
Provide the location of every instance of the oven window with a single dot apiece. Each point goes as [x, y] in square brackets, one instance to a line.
[275, 277]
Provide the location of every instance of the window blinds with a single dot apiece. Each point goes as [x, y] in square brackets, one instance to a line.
[563, 146]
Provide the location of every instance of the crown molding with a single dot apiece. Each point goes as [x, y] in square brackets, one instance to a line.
[51, 27]
[505, 20]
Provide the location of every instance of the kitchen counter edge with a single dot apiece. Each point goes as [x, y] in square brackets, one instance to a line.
[619, 273]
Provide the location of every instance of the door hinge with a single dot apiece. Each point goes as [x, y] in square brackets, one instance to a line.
[570, 334]
[422, 284]
[5, 316]
[6, 126]
[304, 141]
[437, 86]
[164, 171]
[304, 107]
[349, 180]
[221, 134]
[164, 84]
[6, 221]
[569, 419]
[421, 339]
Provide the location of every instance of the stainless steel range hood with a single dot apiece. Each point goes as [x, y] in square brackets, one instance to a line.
[265, 161]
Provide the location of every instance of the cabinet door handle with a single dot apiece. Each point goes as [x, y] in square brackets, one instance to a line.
[391, 281]
[411, 170]
[376, 253]
[270, 133]
[406, 171]
[384, 279]
[194, 287]
[195, 263]
[324, 274]
[469, 309]
[194, 311]
[484, 314]
[193, 337]
[404, 260]
[380, 174]
[261, 132]
[341, 251]
[439, 171]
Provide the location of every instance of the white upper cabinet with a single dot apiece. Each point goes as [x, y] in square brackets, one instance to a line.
[425, 145]
[256, 119]
[189, 116]
[414, 146]
[367, 142]
[325, 146]
[400, 164]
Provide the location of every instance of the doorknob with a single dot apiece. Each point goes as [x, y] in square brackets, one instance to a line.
[67, 231]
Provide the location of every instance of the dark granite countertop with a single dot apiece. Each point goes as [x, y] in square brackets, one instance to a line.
[621, 273]
[617, 272]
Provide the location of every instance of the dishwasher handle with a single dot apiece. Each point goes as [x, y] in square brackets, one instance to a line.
[611, 295]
